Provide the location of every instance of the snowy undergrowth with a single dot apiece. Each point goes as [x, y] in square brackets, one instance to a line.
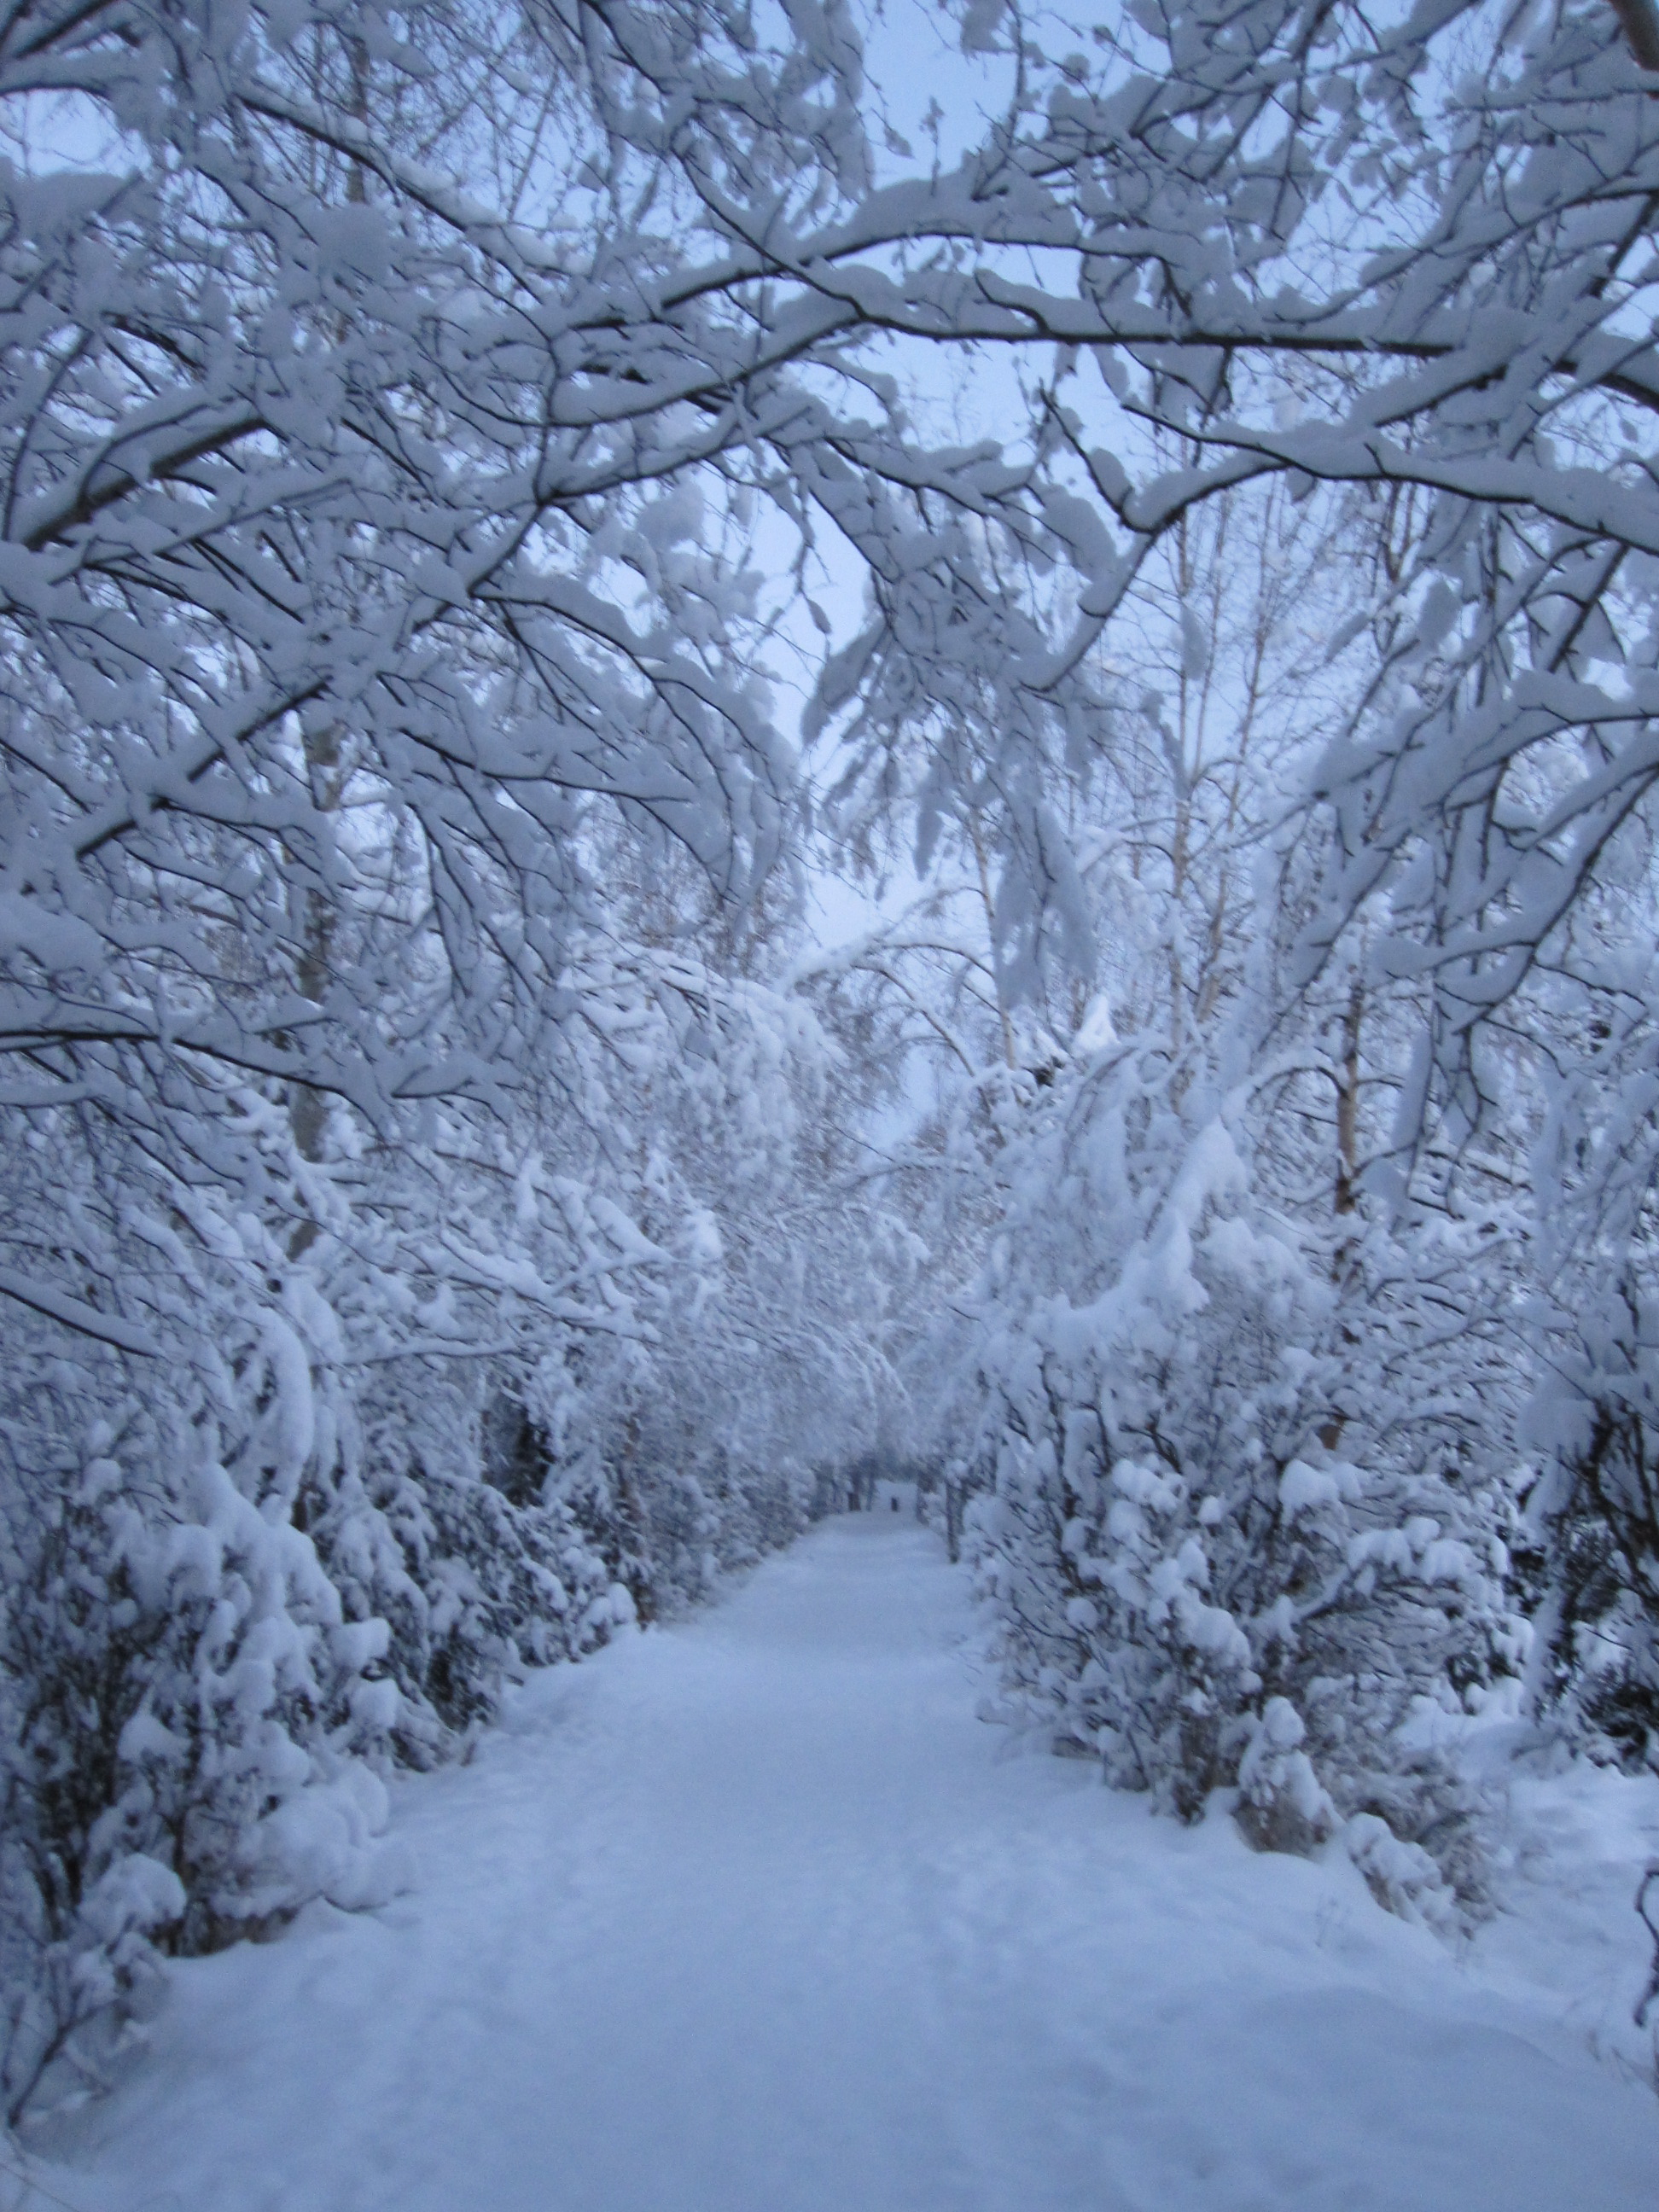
[753, 1915]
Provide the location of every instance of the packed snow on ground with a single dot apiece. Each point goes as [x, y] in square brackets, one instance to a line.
[753, 1915]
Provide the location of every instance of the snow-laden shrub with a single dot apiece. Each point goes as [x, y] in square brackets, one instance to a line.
[182, 1704]
[475, 1574]
[1218, 1554]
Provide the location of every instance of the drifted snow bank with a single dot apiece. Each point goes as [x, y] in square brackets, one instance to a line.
[751, 1915]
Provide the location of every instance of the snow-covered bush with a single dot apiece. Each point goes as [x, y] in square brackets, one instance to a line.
[1220, 1551]
[182, 1709]
[472, 1582]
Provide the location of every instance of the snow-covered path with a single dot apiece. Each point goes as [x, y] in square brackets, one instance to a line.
[753, 1915]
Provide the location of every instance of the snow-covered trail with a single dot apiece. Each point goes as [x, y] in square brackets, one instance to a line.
[753, 1915]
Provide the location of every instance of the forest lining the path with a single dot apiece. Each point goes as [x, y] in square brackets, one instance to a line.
[747, 748]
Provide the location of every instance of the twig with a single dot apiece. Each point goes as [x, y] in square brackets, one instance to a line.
[39, 2188]
[1648, 1881]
